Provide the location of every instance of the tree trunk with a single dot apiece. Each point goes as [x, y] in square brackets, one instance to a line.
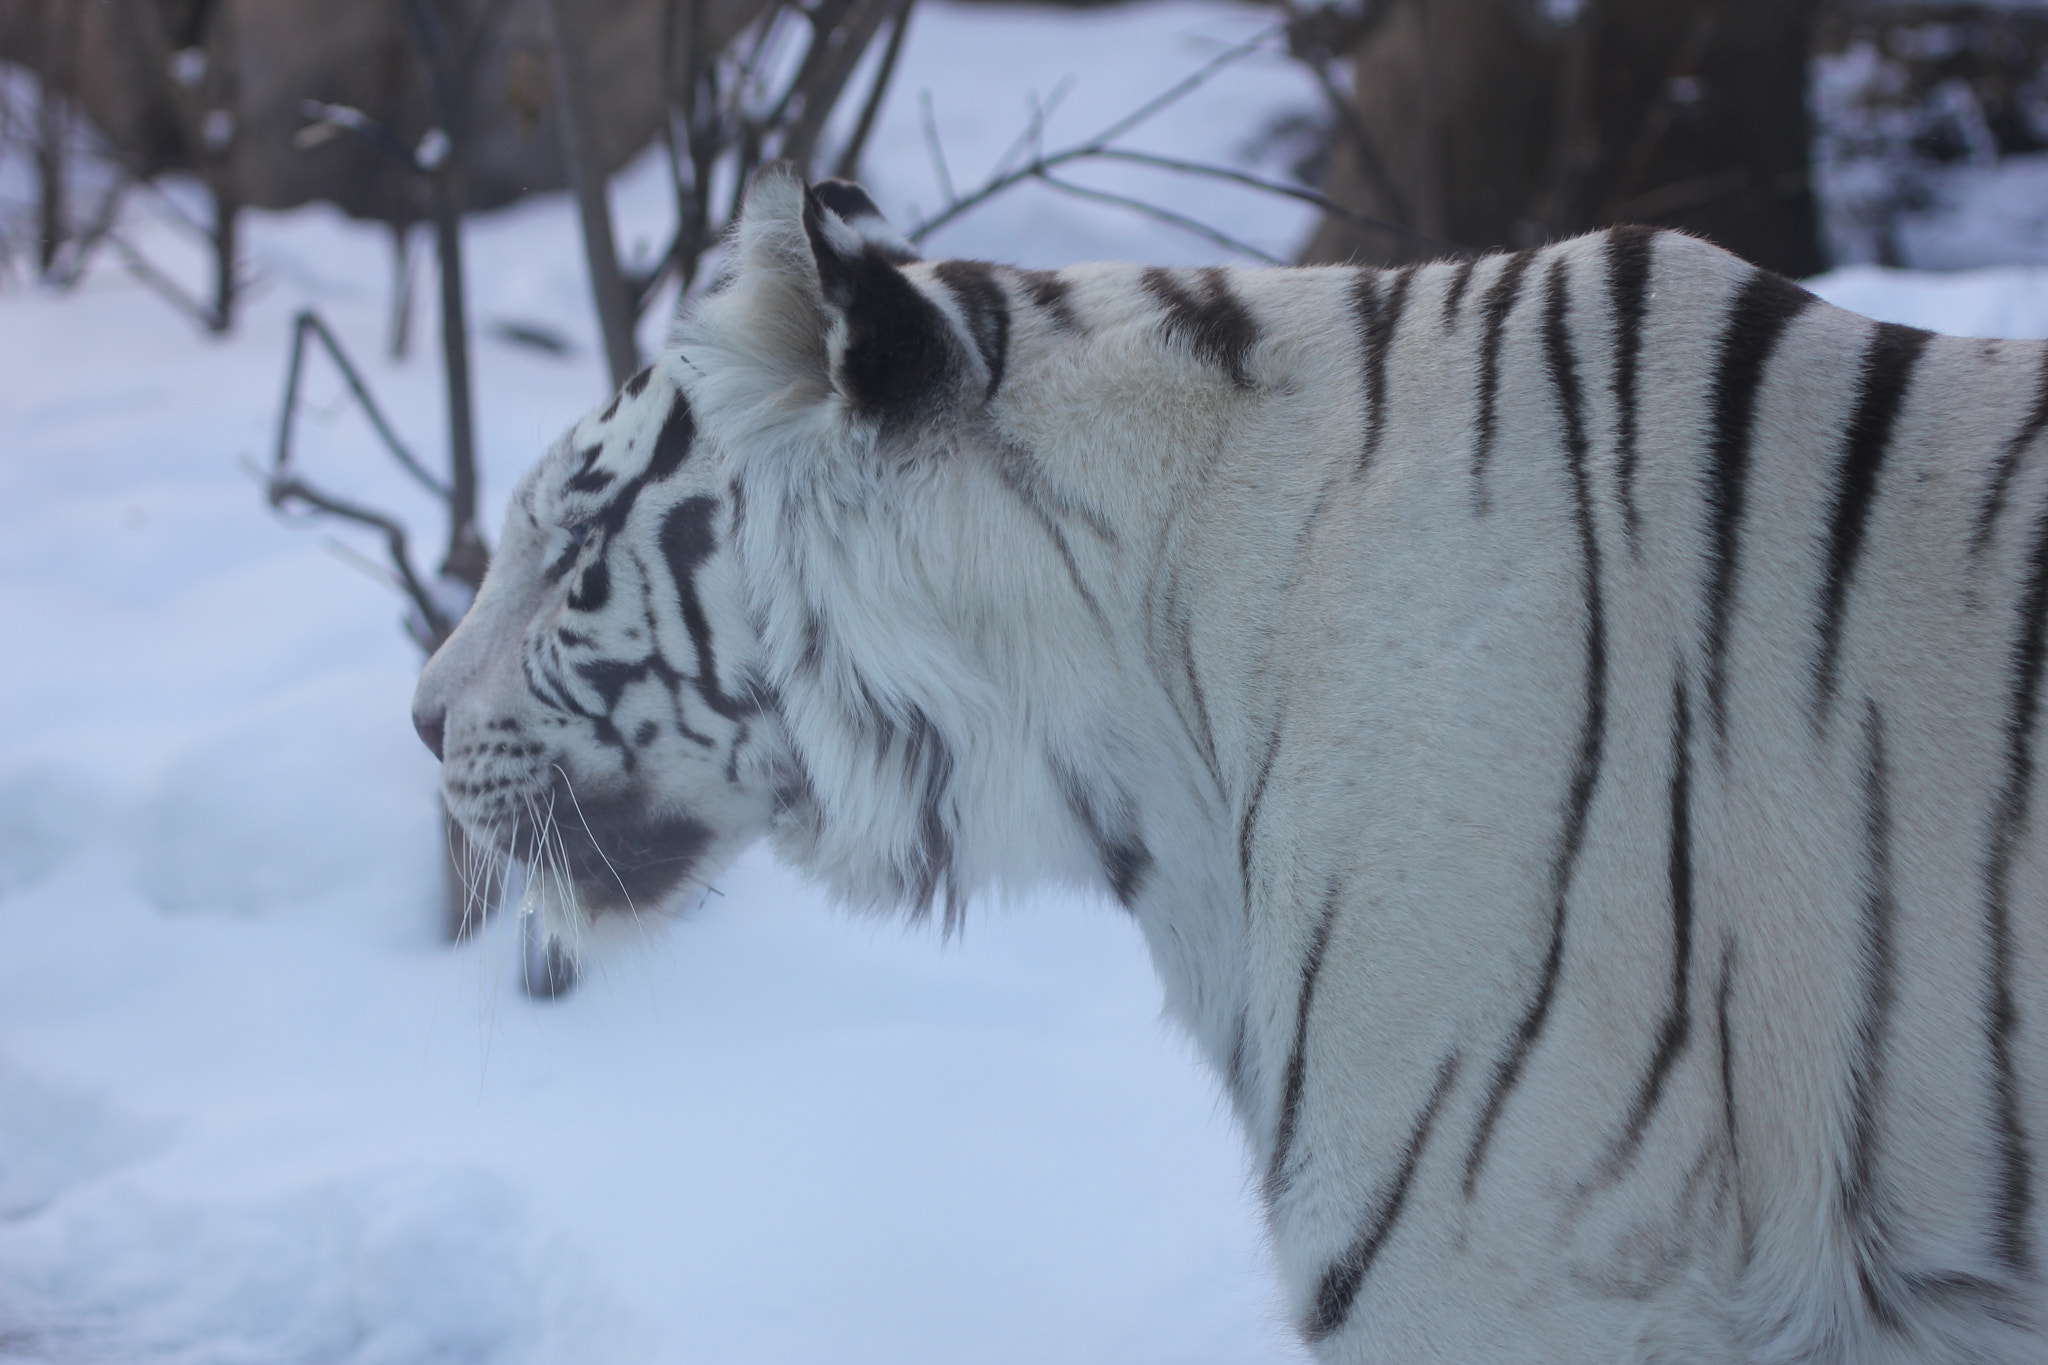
[1501, 127]
[226, 222]
[398, 342]
[587, 179]
[57, 37]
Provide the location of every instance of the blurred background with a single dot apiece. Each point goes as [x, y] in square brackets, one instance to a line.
[290, 293]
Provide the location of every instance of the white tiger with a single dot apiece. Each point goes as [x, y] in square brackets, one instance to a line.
[1565, 724]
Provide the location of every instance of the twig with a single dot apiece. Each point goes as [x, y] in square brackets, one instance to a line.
[931, 142]
[1181, 221]
[1300, 192]
[167, 288]
[848, 164]
[1039, 168]
[308, 323]
[1187, 84]
[282, 490]
[1036, 168]
[1365, 149]
[363, 564]
[1032, 139]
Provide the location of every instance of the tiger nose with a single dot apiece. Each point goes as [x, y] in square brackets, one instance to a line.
[431, 725]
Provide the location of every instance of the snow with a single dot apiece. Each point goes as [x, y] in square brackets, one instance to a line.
[251, 1109]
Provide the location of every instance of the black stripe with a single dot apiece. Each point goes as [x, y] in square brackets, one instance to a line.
[638, 382]
[987, 310]
[2009, 463]
[1461, 280]
[1018, 475]
[1494, 310]
[673, 443]
[1297, 1055]
[1881, 392]
[672, 446]
[846, 199]
[1049, 292]
[2009, 826]
[1234, 1064]
[1863, 1204]
[928, 768]
[588, 478]
[1378, 318]
[1675, 1033]
[593, 586]
[1763, 308]
[1628, 279]
[1346, 1275]
[1113, 829]
[549, 688]
[1248, 823]
[688, 538]
[1205, 733]
[1592, 735]
[1724, 997]
[1217, 326]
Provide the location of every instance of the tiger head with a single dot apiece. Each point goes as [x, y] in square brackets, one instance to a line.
[597, 711]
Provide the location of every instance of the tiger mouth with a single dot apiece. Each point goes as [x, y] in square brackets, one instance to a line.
[611, 852]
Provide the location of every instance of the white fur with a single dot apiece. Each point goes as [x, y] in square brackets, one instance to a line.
[1125, 603]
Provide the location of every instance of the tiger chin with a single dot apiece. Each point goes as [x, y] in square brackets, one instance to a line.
[1565, 723]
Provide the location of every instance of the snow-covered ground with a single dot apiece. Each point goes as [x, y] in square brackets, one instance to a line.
[251, 1110]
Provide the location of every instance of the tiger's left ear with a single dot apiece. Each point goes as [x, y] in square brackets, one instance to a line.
[884, 346]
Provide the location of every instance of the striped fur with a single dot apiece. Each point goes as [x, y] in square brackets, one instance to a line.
[1566, 725]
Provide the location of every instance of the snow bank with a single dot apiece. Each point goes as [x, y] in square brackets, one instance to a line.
[251, 1110]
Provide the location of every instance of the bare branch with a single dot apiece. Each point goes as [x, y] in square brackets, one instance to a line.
[166, 288]
[1188, 84]
[284, 490]
[608, 288]
[849, 156]
[1000, 180]
[1033, 137]
[1181, 221]
[931, 142]
[1364, 147]
[1279, 187]
[308, 323]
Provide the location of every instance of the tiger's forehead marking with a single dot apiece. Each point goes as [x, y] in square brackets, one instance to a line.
[643, 434]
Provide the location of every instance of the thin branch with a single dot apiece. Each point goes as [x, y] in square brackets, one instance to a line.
[363, 564]
[1188, 84]
[308, 323]
[1279, 187]
[1036, 168]
[1365, 149]
[848, 164]
[931, 142]
[283, 490]
[166, 288]
[1178, 220]
[1032, 139]
[1039, 169]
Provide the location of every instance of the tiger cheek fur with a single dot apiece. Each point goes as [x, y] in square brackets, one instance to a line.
[597, 711]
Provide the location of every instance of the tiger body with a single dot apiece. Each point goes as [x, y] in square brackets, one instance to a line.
[1564, 724]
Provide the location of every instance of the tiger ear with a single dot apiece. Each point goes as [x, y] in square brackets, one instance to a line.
[883, 344]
